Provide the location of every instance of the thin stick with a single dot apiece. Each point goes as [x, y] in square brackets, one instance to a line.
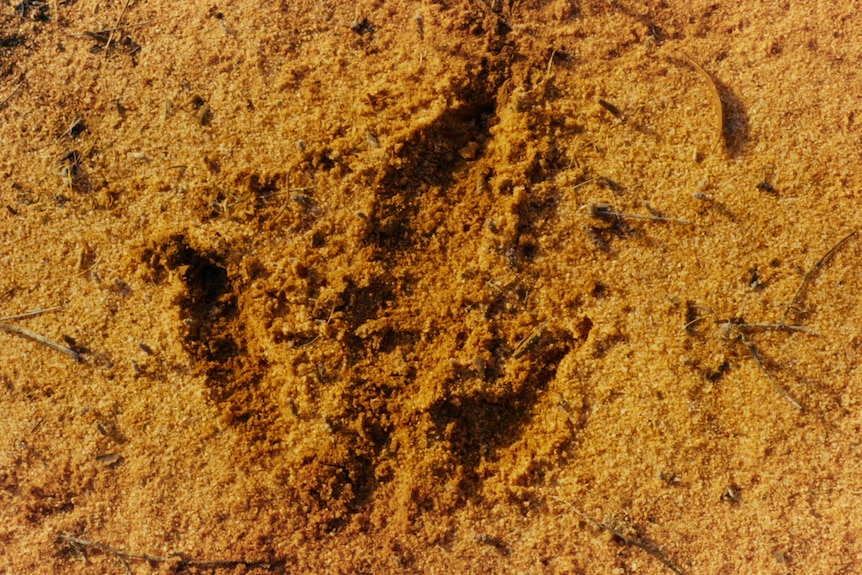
[116, 27]
[95, 263]
[639, 542]
[272, 195]
[772, 381]
[604, 211]
[30, 313]
[79, 544]
[550, 63]
[718, 109]
[692, 322]
[41, 339]
[76, 542]
[739, 331]
[748, 327]
[810, 274]
[585, 182]
[288, 191]
[775, 327]
[650, 218]
[15, 91]
[529, 341]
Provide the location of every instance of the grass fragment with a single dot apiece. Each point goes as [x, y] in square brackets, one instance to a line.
[32, 335]
[715, 98]
[806, 279]
[637, 541]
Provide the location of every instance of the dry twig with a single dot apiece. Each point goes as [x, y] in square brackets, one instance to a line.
[119, 27]
[82, 545]
[784, 393]
[35, 336]
[607, 212]
[12, 93]
[529, 340]
[116, 27]
[715, 96]
[738, 330]
[806, 279]
[638, 542]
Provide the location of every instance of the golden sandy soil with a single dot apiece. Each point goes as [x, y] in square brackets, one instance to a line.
[358, 287]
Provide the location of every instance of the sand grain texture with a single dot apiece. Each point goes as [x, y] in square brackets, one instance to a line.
[353, 294]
